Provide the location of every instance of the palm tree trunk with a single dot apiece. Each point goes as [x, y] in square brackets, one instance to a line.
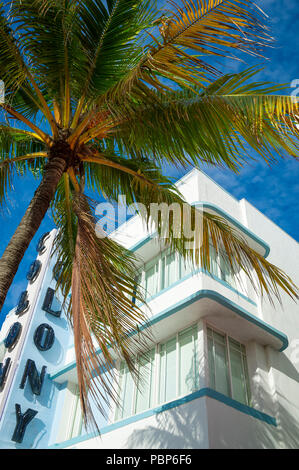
[29, 224]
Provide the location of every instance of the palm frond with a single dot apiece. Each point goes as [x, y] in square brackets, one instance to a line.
[20, 117]
[210, 230]
[110, 40]
[213, 126]
[188, 35]
[65, 240]
[215, 231]
[16, 68]
[208, 27]
[19, 153]
[112, 174]
[101, 275]
[266, 278]
[46, 30]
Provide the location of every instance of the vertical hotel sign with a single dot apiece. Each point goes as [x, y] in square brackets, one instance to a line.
[20, 355]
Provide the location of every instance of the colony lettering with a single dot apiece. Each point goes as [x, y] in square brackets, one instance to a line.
[43, 339]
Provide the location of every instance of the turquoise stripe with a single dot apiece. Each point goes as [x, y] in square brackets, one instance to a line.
[143, 241]
[203, 293]
[204, 271]
[204, 392]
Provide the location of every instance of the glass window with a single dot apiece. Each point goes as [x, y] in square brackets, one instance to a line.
[164, 270]
[145, 388]
[152, 286]
[218, 362]
[213, 261]
[176, 361]
[169, 270]
[188, 363]
[126, 388]
[168, 367]
[186, 267]
[178, 365]
[226, 270]
[76, 421]
[238, 365]
[168, 267]
[228, 366]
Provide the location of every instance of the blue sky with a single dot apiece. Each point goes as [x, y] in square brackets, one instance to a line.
[273, 190]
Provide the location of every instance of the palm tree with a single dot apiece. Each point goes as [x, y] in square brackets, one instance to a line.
[99, 94]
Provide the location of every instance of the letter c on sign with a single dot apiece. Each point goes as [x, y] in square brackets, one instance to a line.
[44, 337]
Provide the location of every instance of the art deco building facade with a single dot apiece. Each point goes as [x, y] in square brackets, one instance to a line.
[222, 370]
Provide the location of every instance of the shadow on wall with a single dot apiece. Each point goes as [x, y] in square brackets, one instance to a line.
[232, 429]
[289, 426]
[180, 428]
[286, 434]
[208, 423]
[286, 367]
[177, 429]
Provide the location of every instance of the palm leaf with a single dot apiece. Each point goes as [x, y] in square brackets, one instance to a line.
[16, 69]
[46, 30]
[264, 276]
[214, 125]
[103, 313]
[209, 27]
[189, 34]
[19, 153]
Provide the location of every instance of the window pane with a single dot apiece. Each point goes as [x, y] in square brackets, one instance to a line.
[245, 369]
[126, 393]
[226, 270]
[185, 267]
[151, 280]
[211, 363]
[234, 344]
[138, 281]
[144, 393]
[219, 338]
[169, 271]
[238, 378]
[213, 261]
[221, 369]
[218, 367]
[236, 386]
[168, 371]
[188, 374]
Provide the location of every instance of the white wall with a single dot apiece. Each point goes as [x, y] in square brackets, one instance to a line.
[274, 375]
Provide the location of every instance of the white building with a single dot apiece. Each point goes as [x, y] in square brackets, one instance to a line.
[223, 371]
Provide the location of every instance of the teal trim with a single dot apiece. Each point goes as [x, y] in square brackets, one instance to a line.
[213, 276]
[240, 406]
[204, 293]
[143, 241]
[235, 222]
[204, 392]
[65, 369]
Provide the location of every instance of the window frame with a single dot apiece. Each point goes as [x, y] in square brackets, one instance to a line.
[227, 346]
[157, 371]
[218, 260]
